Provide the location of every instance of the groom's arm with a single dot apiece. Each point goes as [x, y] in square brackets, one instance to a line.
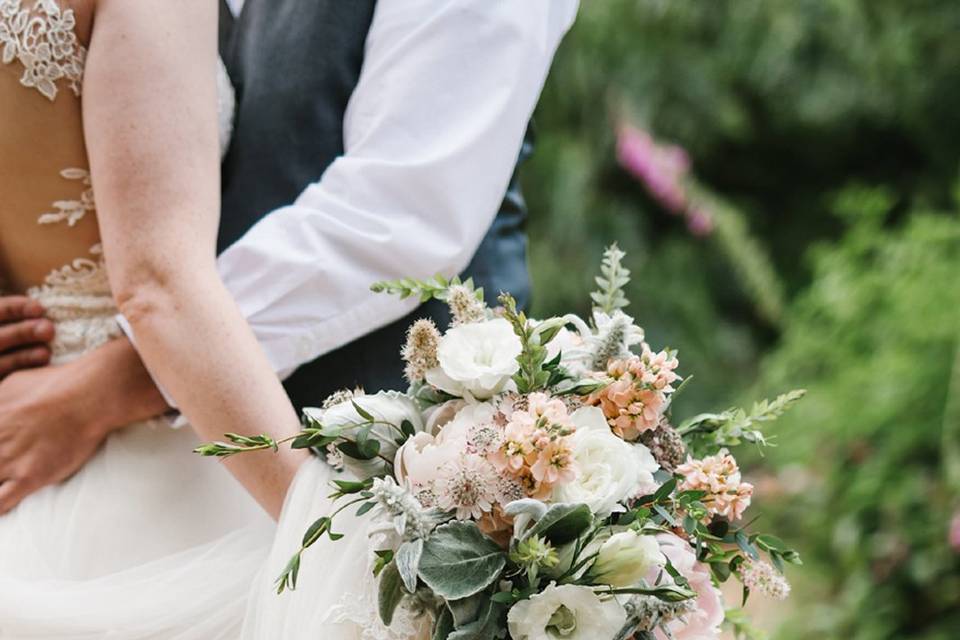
[432, 133]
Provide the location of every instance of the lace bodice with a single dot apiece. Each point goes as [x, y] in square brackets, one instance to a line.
[42, 47]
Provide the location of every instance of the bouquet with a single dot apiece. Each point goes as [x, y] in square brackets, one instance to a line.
[531, 485]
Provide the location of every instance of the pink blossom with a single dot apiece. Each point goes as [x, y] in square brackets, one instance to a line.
[700, 222]
[954, 536]
[662, 169]
[703, 623]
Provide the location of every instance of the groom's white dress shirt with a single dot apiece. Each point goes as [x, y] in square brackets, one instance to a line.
[431, 136]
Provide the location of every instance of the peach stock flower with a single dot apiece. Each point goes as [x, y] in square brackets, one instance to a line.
[535, 447]
[636, 399]
[718, 475]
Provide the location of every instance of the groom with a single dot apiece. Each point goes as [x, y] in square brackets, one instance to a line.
[373, 139]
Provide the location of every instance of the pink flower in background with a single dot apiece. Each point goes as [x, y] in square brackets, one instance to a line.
[700, 222]
[661, 168]
[664, 171]
[955, 532]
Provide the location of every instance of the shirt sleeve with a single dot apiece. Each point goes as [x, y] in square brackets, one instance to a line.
[431, 137]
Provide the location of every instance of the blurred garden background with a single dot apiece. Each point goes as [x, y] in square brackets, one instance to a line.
[784, 177]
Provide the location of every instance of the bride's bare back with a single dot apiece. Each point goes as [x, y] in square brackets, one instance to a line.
[48, 227]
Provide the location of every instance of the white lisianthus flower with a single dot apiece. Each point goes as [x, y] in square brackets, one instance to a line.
[569, 611]
[626, 558]
[610, 470]
[477, 360]
[389, 409]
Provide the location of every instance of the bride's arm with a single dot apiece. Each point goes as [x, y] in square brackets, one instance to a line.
[149, 110]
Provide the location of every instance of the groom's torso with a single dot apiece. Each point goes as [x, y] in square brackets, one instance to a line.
[295, 64]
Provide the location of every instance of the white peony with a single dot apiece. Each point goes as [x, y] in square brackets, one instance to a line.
[477, 360]
[625, 558]
[609, 470]
[568, 611]
[389, 409]
[421, 460]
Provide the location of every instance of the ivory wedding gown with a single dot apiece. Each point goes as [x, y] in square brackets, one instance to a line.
[148, 540]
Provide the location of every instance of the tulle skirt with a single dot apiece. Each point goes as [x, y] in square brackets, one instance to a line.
[149, 541]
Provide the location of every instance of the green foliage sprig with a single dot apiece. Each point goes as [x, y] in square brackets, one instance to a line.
[612, 280]
[735, 426]
[435, 288]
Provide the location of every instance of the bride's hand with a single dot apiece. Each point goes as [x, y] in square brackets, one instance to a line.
[24, 335]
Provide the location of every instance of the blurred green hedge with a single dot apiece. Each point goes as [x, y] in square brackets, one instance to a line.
[826, 136]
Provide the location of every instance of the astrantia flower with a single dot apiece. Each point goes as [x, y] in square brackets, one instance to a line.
[718, 475]
[636, 398]
[477, 360]
[761, 577]
[468, 486]
[568, 611]
[609, 470]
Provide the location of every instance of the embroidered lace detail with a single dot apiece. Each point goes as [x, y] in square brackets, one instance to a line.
[42, 39]
[72, 211]
[78, 300]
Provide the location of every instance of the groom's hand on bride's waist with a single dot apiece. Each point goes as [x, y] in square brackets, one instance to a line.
[53, 419]
[24, 335]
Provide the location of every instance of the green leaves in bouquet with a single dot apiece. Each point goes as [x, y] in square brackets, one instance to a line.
[435, 288]
[238, 444]
[562, 523]
[390, 592]
[709, 431]
[535, 372]
[612, 279]
[458, 561]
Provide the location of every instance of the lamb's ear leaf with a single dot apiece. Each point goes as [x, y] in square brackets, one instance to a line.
[390, 592]
[459, 561]
[444, 626]
[408, 562]
[562, 523]
[487, 626]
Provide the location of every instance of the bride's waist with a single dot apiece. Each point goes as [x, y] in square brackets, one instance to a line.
[83, 313]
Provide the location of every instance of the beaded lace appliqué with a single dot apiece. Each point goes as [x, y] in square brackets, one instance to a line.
[42, 39]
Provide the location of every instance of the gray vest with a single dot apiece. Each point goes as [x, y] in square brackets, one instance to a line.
[295, 64]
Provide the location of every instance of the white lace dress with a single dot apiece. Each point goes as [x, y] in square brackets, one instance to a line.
[148, 540]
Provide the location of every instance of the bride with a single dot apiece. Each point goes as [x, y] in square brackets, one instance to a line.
[147, 540]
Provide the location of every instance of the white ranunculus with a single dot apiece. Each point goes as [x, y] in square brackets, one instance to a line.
[569, 611]
[625, 558]
[609, 470]
[389, 409]
[476, 360]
